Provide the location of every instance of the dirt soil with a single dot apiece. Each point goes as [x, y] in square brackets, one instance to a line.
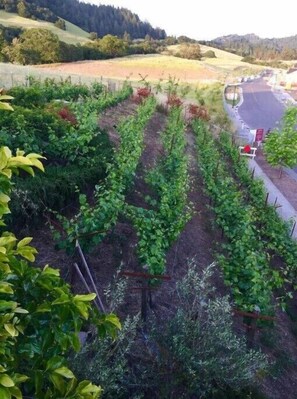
[198, 241]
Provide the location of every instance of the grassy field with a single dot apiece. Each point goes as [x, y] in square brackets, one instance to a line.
[225, 68]
[154, 68]
[72, 35]
[228, 66]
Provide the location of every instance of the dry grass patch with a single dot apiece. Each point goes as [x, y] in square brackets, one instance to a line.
[154, 67]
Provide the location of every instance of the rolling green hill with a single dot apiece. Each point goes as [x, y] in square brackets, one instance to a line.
[72, 35]
[225, 64]
[102, 19]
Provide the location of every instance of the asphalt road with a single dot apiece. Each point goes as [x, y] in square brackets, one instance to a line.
[260, 108]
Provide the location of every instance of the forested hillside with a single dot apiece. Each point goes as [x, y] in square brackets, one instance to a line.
[100, 19]
[254, 46]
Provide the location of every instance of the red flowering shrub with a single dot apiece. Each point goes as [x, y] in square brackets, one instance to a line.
[143, 92]
[67, 115]
[174, 101]
[198, 112]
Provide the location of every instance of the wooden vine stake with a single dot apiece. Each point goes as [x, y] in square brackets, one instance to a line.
[266, 200]
[87, 269]
[145, 289]
[251, 323]
[293, 229]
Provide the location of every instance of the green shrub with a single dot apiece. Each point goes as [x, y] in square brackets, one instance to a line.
[41, 93]
[192, 353]
[249, 59]
[57, 187]
[209, 54]
[198, 349]
[189, 51]
[30, 129]
[40, 317]
[44, 131]
[108, 360]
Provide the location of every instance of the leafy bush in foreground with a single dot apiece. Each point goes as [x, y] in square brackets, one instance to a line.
[192, 354]
[40, 318]
[199, 351]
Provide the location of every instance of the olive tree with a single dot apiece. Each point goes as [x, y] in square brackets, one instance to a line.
[280, 146]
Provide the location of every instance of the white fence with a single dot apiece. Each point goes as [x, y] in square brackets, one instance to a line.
[18, 75]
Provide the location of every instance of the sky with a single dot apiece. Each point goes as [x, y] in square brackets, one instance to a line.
[208, 19]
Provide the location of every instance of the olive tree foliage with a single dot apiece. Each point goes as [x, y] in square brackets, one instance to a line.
[191, 352]
[40, 318]
[280, 145]
[198, 346]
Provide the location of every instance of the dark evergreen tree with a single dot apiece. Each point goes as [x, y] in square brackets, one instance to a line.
[252, 46]
[100, 19]
[60, 23]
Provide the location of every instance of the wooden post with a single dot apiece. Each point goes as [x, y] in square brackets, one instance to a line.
[145, 289]
[266, 200]
[275, 202]
[85, 284]
[89, 274]
[72, 274]
[253, 173]
[144, 302]
[251, 331]
[150, 298]
[250, 322]
[293, 229]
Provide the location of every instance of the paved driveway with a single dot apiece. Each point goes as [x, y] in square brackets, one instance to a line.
[260, 108]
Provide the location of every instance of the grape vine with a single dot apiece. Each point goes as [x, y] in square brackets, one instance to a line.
[93, 222]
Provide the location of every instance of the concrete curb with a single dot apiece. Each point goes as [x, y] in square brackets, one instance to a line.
[284, 209]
